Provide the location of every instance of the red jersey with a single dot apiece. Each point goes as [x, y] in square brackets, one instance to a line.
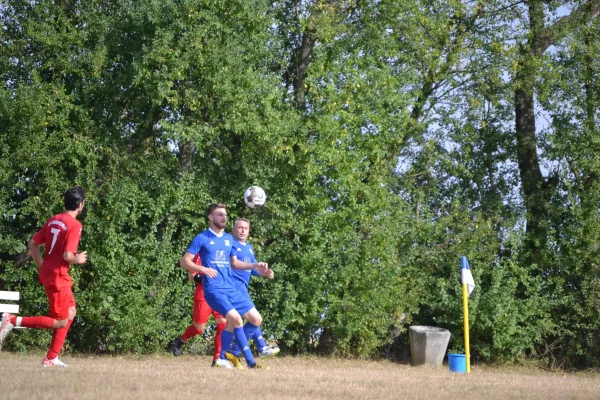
[59, 234]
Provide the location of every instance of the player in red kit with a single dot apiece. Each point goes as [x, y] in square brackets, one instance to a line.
[202, 313]
[60, 235]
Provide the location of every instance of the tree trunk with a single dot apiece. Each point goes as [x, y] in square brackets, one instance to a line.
[296, 72]
[186, 155]
[532, 180]
[535, 188]
[537, 191]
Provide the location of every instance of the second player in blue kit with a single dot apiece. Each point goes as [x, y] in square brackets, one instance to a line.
[245, 252]
[219, 256]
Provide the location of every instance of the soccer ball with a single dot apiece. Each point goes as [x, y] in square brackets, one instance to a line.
[255, 197]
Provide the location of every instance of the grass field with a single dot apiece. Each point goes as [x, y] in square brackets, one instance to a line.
[191, 377]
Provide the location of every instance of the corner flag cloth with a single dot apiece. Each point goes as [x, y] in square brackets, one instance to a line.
[466, 278]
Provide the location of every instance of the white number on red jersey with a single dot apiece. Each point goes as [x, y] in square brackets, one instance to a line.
[55, 233]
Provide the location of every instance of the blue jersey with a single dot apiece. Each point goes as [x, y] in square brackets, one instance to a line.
[244, 252]
[215, 252]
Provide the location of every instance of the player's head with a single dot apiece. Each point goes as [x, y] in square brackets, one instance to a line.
[75, 199]
[217, 215]
[241, 229]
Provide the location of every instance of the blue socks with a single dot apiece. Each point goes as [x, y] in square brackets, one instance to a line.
[241, 341]
[250, 332]
[226, 341]
[258, 339]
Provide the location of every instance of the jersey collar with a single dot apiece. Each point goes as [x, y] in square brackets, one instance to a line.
[215, 233]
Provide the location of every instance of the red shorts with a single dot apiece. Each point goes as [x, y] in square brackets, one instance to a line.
[60, 301]
[202, 310]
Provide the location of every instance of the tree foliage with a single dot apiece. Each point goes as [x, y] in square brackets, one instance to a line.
[391, 138]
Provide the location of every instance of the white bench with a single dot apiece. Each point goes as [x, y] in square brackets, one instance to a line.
[11, 308]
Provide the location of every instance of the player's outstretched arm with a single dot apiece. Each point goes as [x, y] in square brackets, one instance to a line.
[72, 258]
[34, 250]
[268, 273]
[187, 262]
[240, 265]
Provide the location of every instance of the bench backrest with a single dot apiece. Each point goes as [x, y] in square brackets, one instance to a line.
[11, 308]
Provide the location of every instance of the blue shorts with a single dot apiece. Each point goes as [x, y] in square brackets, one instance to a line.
[244, 292]
[225, 300]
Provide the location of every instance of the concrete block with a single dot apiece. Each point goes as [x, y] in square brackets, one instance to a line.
[428, 344]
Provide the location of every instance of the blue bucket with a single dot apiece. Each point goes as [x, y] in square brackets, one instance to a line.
[457, 363]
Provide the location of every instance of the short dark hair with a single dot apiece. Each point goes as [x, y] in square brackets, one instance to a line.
[242, 219]
[74, 197]
[213, 207]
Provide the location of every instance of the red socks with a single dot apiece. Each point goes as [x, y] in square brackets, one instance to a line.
[34, 322]
[220, 329]
[58, 338]
[190, 332]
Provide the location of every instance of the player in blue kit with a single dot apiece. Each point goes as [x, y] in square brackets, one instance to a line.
[218, 256]
[245, 252]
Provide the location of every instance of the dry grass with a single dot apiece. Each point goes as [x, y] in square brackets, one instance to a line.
[164, 377]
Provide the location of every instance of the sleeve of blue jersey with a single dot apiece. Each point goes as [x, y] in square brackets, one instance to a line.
[253, 259]
[233, 249]
[196, 244]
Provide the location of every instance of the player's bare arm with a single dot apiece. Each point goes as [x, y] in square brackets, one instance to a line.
[34, 250]
[266, 274]
[187, 262]
[72, 258]
[240, 265]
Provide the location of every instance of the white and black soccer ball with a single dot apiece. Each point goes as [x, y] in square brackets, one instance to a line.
[255, 197]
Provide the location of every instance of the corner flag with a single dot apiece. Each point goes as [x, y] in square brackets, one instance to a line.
[468, 284]
[466, 278]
